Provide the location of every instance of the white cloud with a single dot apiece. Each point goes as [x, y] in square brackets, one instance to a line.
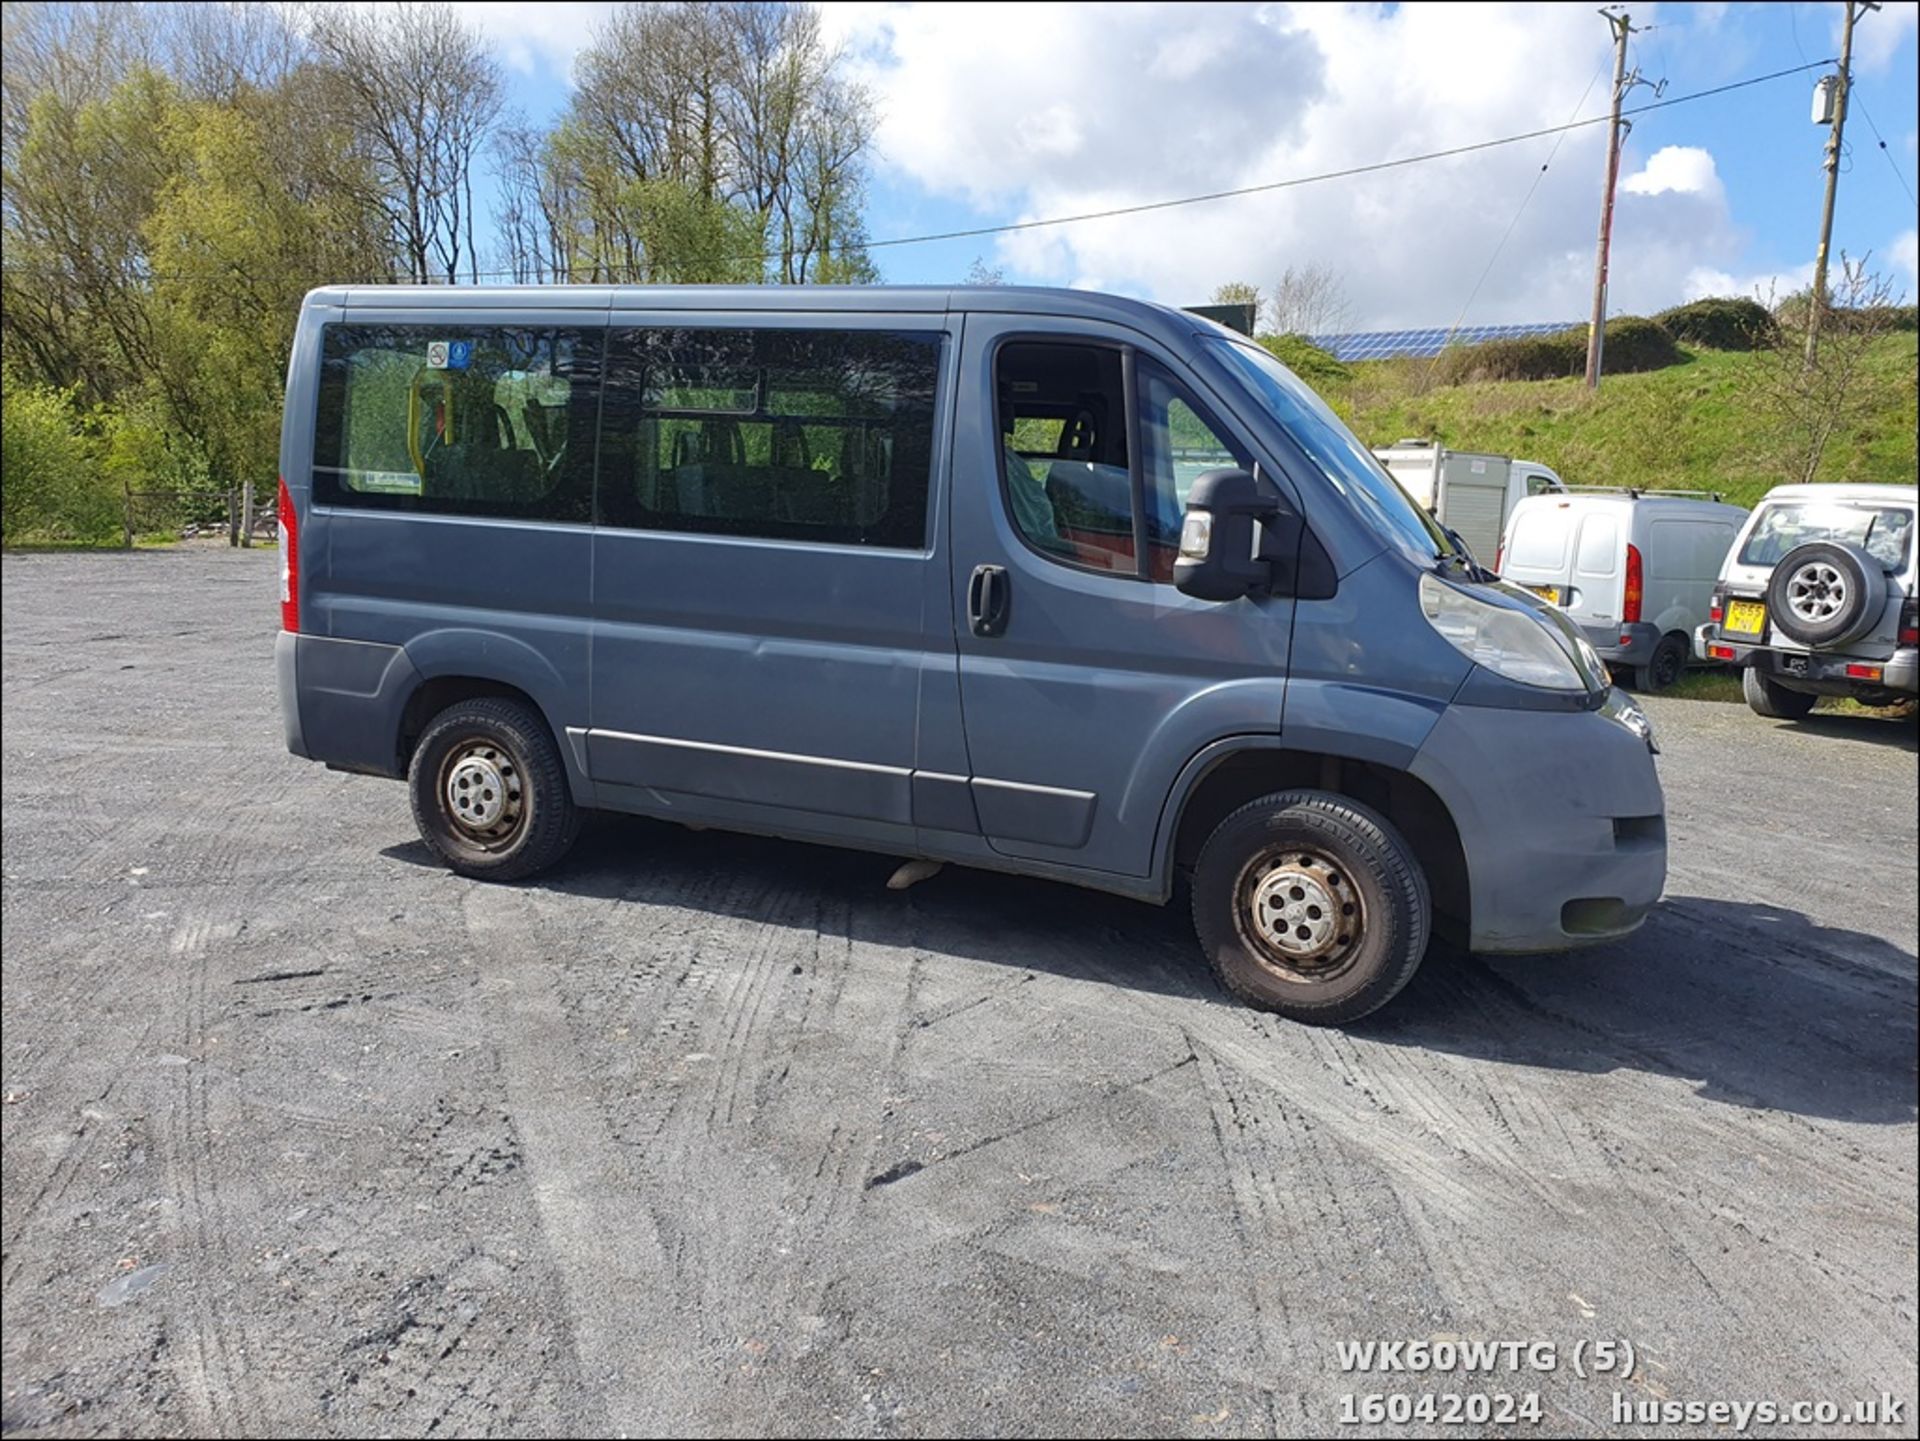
[1878, 35]
[1762, 285]
[1099, 108]
[530, 35]
[1681, 169]
[1904, 254]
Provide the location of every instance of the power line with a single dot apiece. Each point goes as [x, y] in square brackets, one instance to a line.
[1347, 173]
[1146, 207]
[1507, 234]
[1898, 174]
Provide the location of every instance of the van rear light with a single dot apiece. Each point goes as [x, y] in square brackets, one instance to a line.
[1636, 587]
[1499, 555]
[1722, 652]
[1910, 623]
[289, 562]
[1717, 606]
[1864, 672]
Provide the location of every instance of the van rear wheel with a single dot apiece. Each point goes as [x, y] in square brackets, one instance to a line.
[1664, 667]
[489, 790]
[1312, 906]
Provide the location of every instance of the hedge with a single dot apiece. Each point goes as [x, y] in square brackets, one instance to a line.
[1721, 322]
[1634, 343]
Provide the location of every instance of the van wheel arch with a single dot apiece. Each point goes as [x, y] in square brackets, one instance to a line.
[1409, 803]
[436, 693]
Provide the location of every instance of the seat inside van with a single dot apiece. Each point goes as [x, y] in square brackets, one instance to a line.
[1063, 413]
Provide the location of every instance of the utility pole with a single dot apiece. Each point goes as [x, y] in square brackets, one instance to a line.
[1855, 9]
[1597, 328]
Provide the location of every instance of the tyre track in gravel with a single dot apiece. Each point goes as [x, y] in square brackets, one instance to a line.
[592, 1153]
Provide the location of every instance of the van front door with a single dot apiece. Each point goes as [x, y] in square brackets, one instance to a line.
[1087, 682]
[763, 569]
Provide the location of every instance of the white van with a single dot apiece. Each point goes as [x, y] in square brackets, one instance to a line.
[1633, 569]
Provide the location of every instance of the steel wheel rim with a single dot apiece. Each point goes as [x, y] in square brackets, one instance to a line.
[1300, 913]
[483, 794]
[1816, 591]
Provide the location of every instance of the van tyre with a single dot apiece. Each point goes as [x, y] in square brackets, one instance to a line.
[1772, 700]
[490, 792]
[1310, 905]
[1664, 667]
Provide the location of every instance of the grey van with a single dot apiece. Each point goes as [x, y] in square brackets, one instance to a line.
[1042, 581]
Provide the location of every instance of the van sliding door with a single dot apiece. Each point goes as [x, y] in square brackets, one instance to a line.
[764, 569]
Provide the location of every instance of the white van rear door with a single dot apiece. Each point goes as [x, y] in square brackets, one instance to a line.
[1538, 552]
[1598, 570]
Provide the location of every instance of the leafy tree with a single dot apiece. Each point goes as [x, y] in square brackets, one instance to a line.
[50, 488]
[696, 108]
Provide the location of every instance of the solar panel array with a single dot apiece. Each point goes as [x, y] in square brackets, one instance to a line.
[1386, 344]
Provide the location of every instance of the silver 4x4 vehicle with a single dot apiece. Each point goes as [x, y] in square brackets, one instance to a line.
[1817, 598]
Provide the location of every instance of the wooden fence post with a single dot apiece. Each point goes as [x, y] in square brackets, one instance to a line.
[246, 512]
[126, 514]
[233, 515]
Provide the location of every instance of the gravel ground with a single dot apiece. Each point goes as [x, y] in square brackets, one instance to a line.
[713, 1134]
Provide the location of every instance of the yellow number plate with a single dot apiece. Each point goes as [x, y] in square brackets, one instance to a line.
[1745, 617]
[1550, 593]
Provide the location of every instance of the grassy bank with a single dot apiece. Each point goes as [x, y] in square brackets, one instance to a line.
[1699, 425]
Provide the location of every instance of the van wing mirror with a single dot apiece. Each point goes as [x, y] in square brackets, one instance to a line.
[1220, 543]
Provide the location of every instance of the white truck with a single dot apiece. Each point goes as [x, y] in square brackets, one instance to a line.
[1470, 494]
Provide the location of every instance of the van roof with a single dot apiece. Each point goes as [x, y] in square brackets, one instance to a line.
[1574, 499]
[1905, 494]
[764, 299]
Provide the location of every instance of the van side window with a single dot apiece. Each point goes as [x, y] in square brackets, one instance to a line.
[1180, 443]
[1063, 451]
[817, 435]
[456, 418]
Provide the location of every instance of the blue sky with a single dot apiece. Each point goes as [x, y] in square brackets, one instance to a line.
[994, 114]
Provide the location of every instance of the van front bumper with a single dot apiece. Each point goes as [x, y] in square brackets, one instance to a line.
[1561, 820]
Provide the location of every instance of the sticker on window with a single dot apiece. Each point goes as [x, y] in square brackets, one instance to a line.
[385, 482]
[449, 354]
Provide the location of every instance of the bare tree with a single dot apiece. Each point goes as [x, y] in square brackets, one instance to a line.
[1805, 402]
[224, 52]
[422, 93]
[981, 273]
[736, 117]
[1309, 300]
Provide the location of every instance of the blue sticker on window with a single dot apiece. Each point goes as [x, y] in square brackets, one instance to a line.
[459, 354]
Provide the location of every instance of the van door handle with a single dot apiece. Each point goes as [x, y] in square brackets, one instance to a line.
[989, 599]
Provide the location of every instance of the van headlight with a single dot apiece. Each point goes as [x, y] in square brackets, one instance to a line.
[1510, 643]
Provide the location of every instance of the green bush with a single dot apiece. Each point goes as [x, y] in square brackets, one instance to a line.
[1305, 359]
[1721, 322]
[1634, 343]
[50, 486]
[1526, 357]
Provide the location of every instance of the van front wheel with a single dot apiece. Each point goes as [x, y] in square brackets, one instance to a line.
[1310, 905]
[489, 791]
